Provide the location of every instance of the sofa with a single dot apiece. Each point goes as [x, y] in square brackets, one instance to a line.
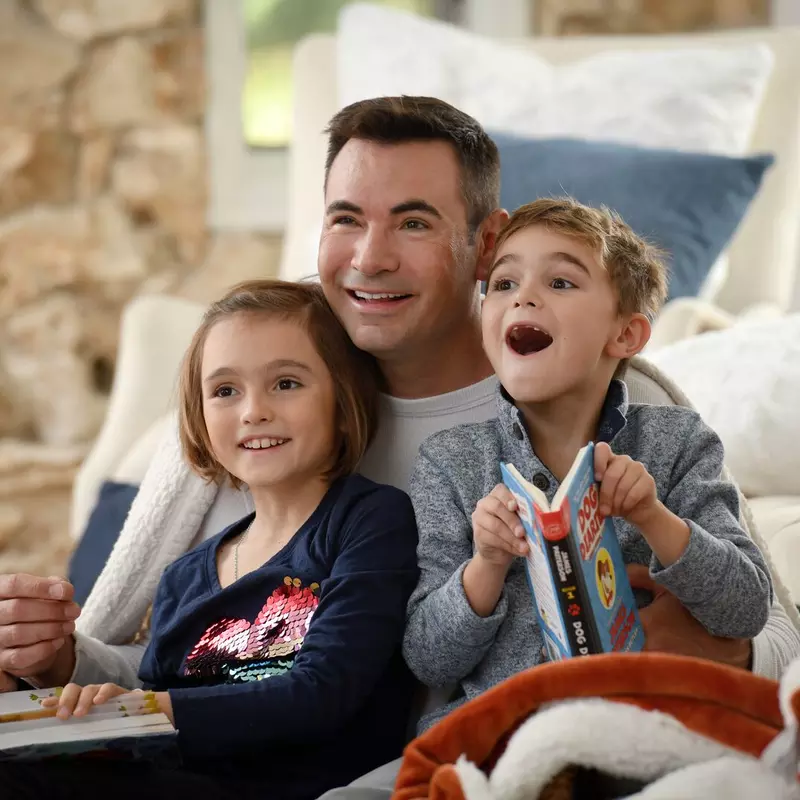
[156, 329]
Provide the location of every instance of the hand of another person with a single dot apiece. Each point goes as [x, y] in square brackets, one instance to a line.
[670, 628]
[8, 683]
[77, 700]
[627, 489]
[497, 530]
[37, 619]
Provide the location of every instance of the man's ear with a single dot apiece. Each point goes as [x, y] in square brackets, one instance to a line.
[631, 338]
[486, 239]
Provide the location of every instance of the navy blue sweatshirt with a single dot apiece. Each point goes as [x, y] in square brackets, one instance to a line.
[292, 679]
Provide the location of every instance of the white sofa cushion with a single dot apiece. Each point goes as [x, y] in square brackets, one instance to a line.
[745, 381]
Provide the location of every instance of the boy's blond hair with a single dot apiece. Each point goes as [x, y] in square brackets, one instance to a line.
[636, 268]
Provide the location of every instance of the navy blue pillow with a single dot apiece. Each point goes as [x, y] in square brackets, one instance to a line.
[689, 204]
[100, 536]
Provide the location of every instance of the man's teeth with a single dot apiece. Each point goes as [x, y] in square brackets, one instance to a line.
[262, 444]
[371, 296]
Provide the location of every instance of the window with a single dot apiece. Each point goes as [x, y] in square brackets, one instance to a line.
[273, 27]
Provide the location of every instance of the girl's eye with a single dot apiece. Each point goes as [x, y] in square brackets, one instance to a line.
[562, 283]
[503, 284]
[287, 384]
[224, 391]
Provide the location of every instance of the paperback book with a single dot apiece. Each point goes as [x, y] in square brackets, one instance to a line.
[129, 726]
[583, 599]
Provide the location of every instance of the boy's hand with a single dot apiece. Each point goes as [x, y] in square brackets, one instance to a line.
[499, 535]
[627, 489]
[77, 701]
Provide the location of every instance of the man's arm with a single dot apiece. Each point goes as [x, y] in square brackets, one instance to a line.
[776, 646]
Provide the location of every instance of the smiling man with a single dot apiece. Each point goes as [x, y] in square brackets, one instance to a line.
[411, 220]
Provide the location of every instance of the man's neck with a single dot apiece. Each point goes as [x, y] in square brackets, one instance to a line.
[558, 428]
[449, 366]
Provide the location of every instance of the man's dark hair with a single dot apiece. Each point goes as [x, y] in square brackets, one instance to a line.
[396, 120]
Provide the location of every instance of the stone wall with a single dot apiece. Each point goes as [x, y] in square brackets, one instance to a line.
[102, 195]
[587, 17]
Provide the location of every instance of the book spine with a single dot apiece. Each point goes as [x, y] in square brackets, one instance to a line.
[573, 599]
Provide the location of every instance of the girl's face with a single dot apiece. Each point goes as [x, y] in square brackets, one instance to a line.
[268, 401]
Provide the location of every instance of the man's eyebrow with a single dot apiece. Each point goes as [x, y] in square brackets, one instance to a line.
[343, 205]
[415, 204]
[278, 363]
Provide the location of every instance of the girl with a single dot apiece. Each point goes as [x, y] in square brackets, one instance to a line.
[275, 645]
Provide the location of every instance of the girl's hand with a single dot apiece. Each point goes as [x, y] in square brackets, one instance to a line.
[499, 535]
[627, 489]
[77, 701]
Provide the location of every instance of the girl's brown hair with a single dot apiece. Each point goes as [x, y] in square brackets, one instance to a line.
[355, 374]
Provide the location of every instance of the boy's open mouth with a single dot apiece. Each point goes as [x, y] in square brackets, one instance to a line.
[525, 339]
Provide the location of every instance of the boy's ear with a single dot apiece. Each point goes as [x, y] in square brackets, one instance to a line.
[631, 338]
[486, 239]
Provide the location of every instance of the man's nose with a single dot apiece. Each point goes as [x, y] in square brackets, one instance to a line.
[374, 254]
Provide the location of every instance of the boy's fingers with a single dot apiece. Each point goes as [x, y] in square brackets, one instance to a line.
[602, 455]
[505, 496]
[493, 508]
[622, 494]
[502, 538]
[608, 486]
[635, 494]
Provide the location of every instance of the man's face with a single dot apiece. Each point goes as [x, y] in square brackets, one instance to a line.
[550, 319]
[395, 259]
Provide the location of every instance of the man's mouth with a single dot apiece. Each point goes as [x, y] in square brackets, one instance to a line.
[525, 339]
[266, 443]
[377, 297]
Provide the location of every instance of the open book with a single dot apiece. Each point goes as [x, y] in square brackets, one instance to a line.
[128, 726]
[583, 599]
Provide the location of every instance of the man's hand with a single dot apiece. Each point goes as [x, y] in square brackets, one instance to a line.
[499, 535]
[627, 489]
[670, 628]
[8, 683]
[37, 619]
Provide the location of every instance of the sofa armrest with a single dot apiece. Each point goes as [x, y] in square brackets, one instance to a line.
[155, 332]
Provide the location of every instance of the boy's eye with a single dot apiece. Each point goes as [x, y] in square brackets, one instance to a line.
[224, 391]
[503, 284]
[287, 384]
[562, 283]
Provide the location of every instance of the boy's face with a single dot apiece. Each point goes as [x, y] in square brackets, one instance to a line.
[550, 318]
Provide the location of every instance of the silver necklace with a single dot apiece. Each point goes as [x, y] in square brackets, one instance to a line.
[236, 552]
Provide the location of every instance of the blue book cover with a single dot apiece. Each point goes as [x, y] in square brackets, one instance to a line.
[583, 600]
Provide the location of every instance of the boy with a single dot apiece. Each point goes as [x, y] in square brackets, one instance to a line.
[571, 294]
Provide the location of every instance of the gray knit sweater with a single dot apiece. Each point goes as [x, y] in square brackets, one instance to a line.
[721, 578]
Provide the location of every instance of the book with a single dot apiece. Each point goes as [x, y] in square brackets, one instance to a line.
[583, 599]
[128, 726]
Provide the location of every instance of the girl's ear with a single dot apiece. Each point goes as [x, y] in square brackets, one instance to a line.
[631, 338]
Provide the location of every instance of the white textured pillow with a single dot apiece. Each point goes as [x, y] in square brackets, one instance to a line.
[745, 382]
[700, 99]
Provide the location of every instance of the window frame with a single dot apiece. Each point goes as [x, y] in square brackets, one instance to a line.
[248, 186]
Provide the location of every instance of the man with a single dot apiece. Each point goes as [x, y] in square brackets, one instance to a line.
[411, 193]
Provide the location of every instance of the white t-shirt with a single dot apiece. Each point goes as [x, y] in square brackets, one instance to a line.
[404, 426]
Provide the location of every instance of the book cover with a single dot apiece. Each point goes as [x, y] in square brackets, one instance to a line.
[582, 596]
[128, 727]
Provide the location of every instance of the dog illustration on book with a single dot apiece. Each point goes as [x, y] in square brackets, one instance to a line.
[245, 651]
[606, 582]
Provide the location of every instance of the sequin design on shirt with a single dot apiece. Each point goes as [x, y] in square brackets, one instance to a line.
[239, 651]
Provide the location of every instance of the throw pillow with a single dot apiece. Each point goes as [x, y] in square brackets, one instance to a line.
[689, 204]
[694, 98]
[745, 381]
